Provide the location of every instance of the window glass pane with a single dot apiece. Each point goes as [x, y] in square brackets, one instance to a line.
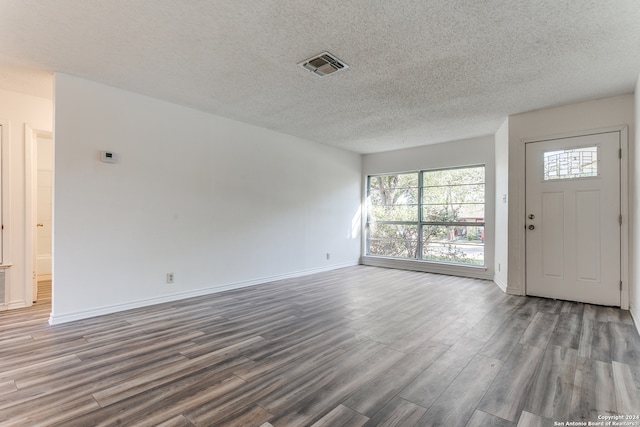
[393, 197]
[454, 195]
[460, 176]
[395, 240]
[572, 163]
[448, 197]
[459, 245]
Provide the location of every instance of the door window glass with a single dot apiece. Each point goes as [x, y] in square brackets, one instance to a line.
[571, 163]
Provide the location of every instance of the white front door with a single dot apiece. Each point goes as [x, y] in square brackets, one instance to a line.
[573, 218]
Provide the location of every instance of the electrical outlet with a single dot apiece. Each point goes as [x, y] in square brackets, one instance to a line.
[169, 277]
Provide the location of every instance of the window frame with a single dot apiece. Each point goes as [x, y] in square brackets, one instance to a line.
[420, 223]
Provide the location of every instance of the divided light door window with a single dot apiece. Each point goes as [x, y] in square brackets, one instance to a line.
[430, 215]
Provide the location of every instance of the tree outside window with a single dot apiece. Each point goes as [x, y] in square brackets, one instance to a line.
[434, 215]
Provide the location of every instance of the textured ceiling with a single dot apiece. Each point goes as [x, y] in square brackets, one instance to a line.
[421, 71]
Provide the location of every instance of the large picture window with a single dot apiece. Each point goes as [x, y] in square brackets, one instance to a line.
[431, 215]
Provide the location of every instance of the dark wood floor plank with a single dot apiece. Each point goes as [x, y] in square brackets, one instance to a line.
[341, 416]
[398, 412]
[432, 382]
[624, 347]
[177, 421]
[596, 313]
[595, 341]
[376, 393]
[508, 393]
[593, 390]
[619, 316]
[567, 331]
[549, 306]
[506, 338]
[251, 415]
[210, 364]
[417, 337]
[527, 419]
[458, 402]
[490, 324]
[40, 369]
[8, 387]
[251, 372]
[317, 400]
[355, 346]
[552, 388]
[160, 404]
[626, 379]
[63, 412]
[47, 393]
[539, 331]
[482, 419]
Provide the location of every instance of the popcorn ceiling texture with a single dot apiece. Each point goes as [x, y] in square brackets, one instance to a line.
[421, 71]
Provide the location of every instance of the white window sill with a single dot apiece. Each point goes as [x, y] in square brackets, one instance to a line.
[474, 271]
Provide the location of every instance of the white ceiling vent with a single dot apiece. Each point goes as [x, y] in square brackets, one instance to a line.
[323, 64]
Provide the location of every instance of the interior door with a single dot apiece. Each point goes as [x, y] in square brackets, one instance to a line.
[573, 218]
[44, 207]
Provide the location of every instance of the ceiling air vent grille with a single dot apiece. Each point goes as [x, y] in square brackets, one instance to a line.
[323, 64]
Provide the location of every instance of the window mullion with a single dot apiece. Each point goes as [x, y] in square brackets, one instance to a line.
[420, 190]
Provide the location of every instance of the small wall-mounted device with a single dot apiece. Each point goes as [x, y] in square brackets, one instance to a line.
[108, 157]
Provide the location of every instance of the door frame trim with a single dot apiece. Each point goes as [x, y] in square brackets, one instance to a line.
[5, 193]
[623, 131]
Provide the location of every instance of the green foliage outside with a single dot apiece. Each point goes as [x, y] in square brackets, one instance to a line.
[449, 196]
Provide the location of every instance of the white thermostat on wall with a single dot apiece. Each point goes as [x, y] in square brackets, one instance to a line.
[108, 157]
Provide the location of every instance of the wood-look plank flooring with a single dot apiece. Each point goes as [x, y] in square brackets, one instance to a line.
[359, 346]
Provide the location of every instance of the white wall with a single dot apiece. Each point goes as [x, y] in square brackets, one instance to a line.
[473, 151]
[219, 203]
[596, 114]
[16, 111]
[501, 263]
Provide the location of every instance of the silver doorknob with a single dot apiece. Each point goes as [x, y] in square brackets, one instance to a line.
[531, 227]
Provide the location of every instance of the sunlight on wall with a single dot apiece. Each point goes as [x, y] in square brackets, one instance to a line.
[356, 223]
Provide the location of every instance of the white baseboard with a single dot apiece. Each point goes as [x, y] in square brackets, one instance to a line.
[101, 311]
[500, 284]
[17, 304]
[428, 267]
[515, 291]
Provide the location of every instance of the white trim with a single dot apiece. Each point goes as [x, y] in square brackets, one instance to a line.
[625, 252]
[5, 192]
[623, 131]
[500, 284]
[511, 290]
[428, 267]
[636, 318]
[79, 315]
[17, 304]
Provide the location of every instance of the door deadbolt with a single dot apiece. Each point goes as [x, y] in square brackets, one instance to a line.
[531, 216]
[531, 227]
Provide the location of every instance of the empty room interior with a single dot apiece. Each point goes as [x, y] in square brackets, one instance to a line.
[235, 213]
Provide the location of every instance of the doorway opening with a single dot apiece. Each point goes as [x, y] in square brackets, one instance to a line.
[39, 212]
